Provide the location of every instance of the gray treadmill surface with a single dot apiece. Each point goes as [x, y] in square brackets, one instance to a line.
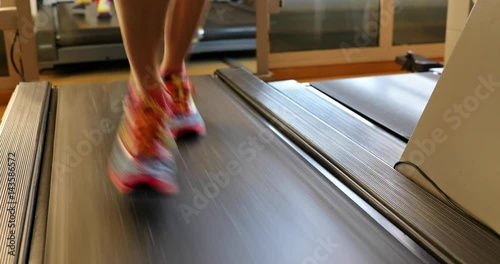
[277, 209]
[85, 29]
[396, 102]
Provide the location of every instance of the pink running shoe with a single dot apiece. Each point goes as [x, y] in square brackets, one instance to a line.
[103, 9]
[186, 118]
[144, 150]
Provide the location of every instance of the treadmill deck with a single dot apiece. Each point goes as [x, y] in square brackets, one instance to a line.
[396, 102]
[246, 197]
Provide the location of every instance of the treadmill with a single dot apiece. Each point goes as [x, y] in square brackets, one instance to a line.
[284, 175]
[394, 102]
[64, 37]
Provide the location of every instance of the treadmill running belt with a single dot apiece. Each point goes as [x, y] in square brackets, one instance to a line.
[246, 196]
[396, 102]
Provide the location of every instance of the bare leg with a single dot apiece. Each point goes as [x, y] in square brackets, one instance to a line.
[144, 150]
[142, 24]
[182, 22]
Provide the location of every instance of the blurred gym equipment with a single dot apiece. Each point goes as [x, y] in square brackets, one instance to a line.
[64, 37]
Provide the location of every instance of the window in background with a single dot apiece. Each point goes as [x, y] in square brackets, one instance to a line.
[4, 66]
[419, 21]
[325, 24]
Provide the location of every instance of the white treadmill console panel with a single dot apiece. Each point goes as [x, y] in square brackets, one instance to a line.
[457, 140]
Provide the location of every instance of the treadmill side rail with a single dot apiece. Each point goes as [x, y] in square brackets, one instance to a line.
[21, 140]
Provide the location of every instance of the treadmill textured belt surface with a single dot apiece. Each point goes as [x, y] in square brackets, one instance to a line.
[246, 196]
[396, 102]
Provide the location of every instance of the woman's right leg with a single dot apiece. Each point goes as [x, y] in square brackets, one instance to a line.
[144, 151]
[141, 24]
[182, 21]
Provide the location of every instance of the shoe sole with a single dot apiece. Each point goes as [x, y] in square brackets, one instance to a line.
[161, 186]
[129, 186]
[200, 130]
[104, 15]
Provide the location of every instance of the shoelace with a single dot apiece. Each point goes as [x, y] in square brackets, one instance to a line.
[104, 5]
[180, 94]
[149, 127]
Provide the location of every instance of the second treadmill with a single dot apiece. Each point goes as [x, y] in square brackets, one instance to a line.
[64, 37]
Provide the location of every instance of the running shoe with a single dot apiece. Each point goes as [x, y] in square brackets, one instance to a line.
[186, 118]
[103, 9]
[144, 150]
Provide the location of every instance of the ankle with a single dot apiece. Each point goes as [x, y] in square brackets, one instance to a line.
[154, 91]
[167, 70]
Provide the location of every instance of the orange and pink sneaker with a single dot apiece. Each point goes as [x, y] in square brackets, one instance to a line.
[104, 9]
[186, 118]
[144, 150]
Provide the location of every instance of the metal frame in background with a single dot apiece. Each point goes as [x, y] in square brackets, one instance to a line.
[386, 51]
